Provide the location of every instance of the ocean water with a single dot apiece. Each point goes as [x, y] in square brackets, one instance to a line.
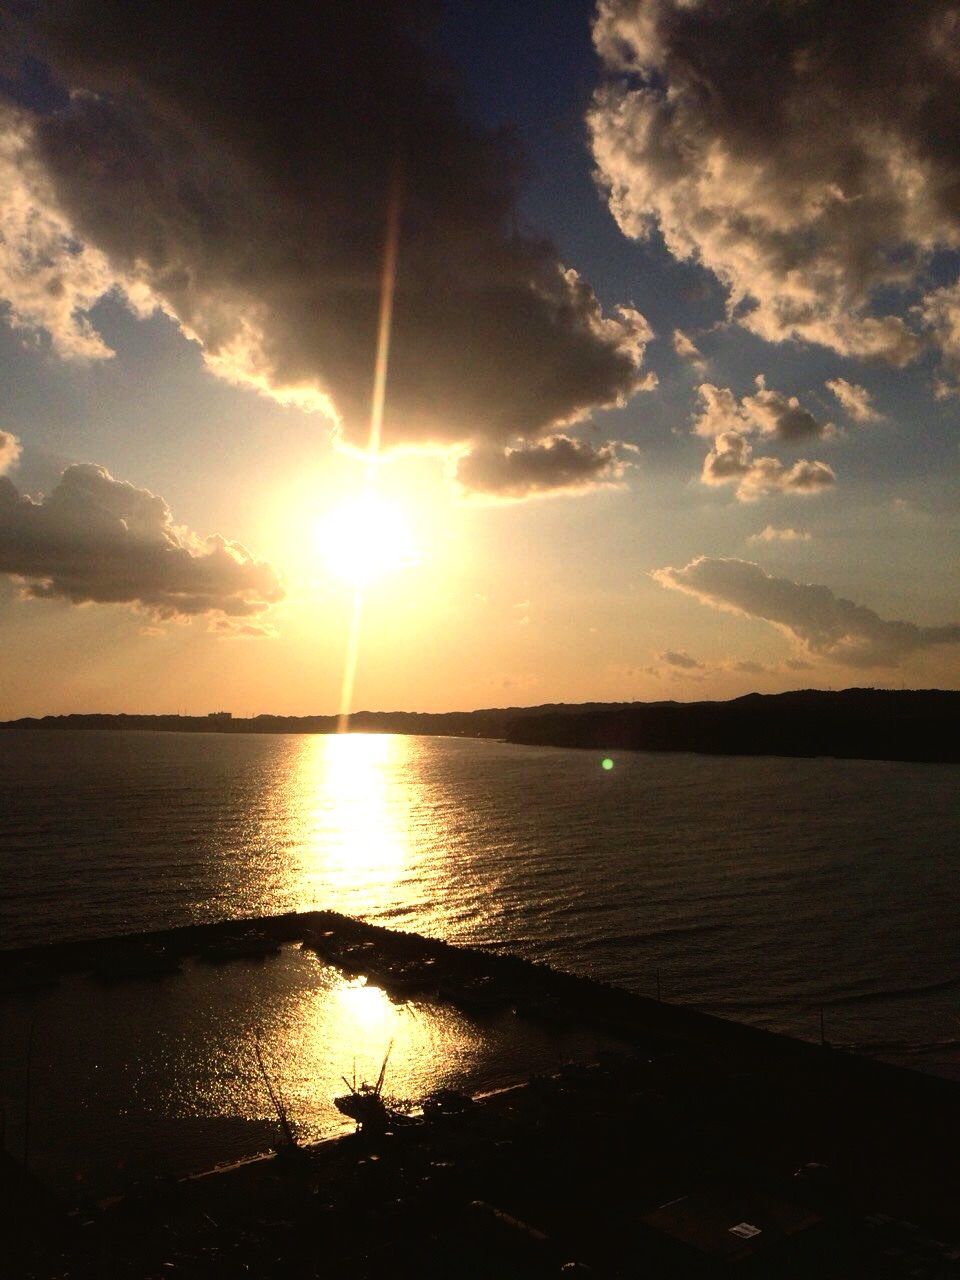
[757, 889]
[760, 888]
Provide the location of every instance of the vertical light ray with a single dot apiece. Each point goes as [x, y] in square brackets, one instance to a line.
[388, 283]
[350, 662]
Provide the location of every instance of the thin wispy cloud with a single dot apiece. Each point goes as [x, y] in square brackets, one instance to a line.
[856, 400]
[772, 534]
[686, 349]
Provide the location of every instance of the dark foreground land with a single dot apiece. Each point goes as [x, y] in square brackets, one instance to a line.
[707, 1149]
[868, 724]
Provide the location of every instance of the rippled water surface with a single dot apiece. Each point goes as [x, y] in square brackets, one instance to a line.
[760, 889]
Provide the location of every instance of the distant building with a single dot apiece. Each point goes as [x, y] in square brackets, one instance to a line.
[219, 715]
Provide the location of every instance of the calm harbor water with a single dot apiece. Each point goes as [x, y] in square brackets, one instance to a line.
[760, 889]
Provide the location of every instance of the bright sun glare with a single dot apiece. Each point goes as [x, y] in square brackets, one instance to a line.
[365, 538]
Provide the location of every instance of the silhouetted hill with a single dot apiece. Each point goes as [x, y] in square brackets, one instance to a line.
[873, 724]
[489, 723]
[877, 724]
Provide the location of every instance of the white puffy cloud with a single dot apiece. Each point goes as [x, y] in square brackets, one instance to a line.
[9, 451]
[808, 155]
[774, 414]
[731, 461]
[856, 400]
[97, 539]
[766, 412]
[243, 184]
[772, 534]
[825, 625]
[541, 468]
[729, 421]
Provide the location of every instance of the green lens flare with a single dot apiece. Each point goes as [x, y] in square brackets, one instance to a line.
[608, 763]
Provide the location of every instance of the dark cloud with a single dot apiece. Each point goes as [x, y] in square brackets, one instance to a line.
[558, 464]
[234, 165]
[808, 154]
[826, 625]
[97, 539]
[750, 668]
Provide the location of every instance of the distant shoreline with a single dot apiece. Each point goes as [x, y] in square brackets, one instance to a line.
[870, 724]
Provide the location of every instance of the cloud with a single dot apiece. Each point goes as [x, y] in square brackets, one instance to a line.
[750, 668]
[775, 414]
[557, 465]
[768, 413]
[825, 625]
[686, 349]
[9, 451]
[47, 280]
[731, 461]
[787, 148]
[242, 184]
[772, 534]
[97, 539]
[941, 311]
[798, 664]
[855, 399]
[230, 630]
[680, 658]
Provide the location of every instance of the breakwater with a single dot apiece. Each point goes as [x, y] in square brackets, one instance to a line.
[655, 1154]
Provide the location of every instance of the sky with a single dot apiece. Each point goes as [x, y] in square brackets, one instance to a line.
[671, 353]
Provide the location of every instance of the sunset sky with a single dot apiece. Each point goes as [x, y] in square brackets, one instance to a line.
[673, 392]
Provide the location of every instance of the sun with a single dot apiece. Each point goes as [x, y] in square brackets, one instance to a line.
[365, 538]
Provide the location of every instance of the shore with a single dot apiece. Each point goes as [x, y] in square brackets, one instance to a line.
[707, 1114]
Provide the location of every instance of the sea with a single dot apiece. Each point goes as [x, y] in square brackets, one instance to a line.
[810, 897]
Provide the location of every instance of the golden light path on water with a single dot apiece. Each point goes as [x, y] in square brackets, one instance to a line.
[354, 800]
[349, 804]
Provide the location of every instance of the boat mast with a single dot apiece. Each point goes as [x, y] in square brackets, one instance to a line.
[281, 1110]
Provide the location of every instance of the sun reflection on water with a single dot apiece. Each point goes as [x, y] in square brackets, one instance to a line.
[327, 1028]
[354, 800]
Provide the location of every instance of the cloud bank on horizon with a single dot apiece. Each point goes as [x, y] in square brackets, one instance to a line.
[786, 148]
[241, 184]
